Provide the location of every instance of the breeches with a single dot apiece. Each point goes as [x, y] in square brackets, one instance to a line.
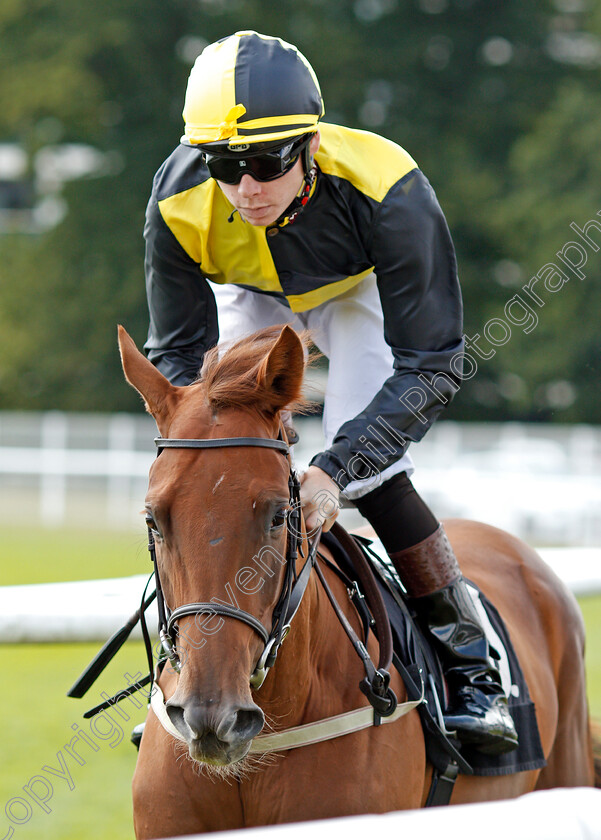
[349, 331]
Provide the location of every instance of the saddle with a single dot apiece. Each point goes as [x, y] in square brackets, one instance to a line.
[419, 666]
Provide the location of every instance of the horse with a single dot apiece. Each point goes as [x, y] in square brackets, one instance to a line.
[219, 510]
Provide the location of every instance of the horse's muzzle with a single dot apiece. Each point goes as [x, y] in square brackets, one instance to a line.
[216, 735]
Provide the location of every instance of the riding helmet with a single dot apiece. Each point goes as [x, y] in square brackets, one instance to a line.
[249, 93]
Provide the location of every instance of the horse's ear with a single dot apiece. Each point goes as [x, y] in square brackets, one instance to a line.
[280, 374]
[158, 393]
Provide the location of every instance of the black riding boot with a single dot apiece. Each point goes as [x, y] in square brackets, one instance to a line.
[477, 710]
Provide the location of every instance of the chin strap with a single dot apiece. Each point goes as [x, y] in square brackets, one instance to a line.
[298, 203]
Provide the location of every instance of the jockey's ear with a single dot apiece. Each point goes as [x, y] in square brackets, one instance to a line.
[158, 393]
[280, 374]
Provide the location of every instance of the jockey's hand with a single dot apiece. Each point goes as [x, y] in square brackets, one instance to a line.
[320, 499]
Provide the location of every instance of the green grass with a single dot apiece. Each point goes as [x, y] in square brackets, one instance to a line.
[591, 610]
[35, 725]
[36, 717]
[40, 556]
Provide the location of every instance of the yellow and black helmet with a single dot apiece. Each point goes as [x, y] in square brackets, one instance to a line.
[249, 92]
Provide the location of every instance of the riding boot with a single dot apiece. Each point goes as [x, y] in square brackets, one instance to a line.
[477, 710]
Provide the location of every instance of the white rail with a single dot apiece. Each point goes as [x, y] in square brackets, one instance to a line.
[91, 610]
[559, 814]
[540, 482]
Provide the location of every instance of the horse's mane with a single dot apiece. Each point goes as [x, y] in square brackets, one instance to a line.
[231, 380]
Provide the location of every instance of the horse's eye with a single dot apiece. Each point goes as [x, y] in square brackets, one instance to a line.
[152, 524]
[279, 519]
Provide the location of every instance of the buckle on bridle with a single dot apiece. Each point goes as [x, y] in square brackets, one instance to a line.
[380, 695]
[267, 659]
[169, 649]
[257, 678]
[355, 592]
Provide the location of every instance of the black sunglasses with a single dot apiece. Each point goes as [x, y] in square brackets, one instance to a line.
[262, 167]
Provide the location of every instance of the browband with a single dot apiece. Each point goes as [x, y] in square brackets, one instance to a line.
[210, 443]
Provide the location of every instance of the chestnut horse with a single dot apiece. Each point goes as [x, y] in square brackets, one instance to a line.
[218, 517]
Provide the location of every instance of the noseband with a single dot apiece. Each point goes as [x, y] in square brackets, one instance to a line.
[293, 587]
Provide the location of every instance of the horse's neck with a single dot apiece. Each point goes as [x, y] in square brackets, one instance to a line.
[317, 671]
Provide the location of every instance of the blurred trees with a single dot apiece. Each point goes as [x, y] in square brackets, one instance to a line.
[498, 101]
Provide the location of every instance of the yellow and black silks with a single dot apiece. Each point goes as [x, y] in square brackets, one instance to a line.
[371, 209]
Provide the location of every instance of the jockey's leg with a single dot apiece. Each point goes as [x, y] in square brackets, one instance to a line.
[357, 368]
[242, 312]
[417, 544]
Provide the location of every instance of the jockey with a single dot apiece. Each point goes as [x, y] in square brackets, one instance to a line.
[263, 215]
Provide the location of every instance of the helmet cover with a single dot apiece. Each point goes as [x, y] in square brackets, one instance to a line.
[250, 89]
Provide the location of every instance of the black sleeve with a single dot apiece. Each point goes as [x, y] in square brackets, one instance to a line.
[416, 269]
[183, 313]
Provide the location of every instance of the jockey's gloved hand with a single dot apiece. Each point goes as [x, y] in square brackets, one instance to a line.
[320, 499]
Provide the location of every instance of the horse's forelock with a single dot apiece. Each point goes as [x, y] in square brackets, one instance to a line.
[230, 378]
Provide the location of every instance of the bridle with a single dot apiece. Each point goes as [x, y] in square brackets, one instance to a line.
[383, 703]
[293, 587]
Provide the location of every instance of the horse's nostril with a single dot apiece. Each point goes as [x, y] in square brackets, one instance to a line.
[250, 722]
[195, 721]
[177, 717]
[241, 725]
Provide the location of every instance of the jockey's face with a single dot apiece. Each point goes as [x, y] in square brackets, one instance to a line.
[262, 202]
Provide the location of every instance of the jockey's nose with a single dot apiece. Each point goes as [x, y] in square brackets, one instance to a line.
[248, 186]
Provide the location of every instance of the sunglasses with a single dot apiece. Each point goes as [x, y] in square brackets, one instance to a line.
[262, 167]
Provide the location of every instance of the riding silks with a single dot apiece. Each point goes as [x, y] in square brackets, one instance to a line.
[371, 211]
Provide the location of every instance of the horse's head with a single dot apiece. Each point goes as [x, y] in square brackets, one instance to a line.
[219, 521]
